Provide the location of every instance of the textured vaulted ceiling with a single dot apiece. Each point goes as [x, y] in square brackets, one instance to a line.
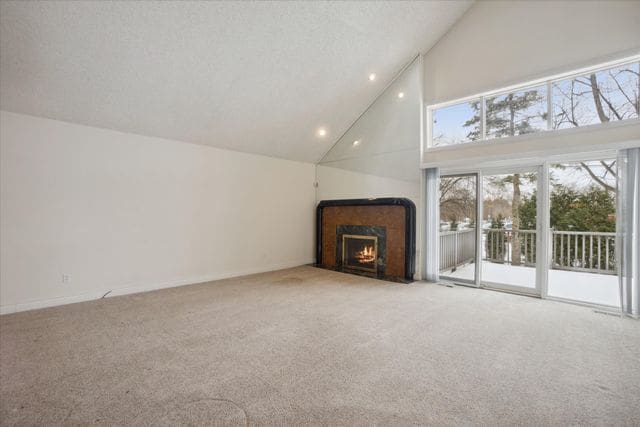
[258, 77]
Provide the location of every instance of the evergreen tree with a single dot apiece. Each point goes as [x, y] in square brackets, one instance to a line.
[528, 212]
[506, 115]
[592, 209]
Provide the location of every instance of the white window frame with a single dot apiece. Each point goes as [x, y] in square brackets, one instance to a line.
[545, 81]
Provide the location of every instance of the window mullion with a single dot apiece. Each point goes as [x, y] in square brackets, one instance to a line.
[483, 119]
[549, 105]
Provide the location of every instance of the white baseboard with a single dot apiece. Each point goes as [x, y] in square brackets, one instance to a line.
[126, 290]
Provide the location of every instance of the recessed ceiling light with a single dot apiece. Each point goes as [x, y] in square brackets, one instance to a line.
[400, 94]
[322, 132]
[356, 142]
[372, 76]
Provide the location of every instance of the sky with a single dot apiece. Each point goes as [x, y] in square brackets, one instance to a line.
[449, 121]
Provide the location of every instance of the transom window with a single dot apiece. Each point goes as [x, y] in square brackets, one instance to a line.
[599, 96]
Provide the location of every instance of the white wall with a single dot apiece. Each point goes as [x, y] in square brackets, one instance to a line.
[125, 213]
[388, 132]
[499, 43]
[334, 183]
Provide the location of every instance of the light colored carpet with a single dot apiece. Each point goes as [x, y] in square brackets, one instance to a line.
[310, 346]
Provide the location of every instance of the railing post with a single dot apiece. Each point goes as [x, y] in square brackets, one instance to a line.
[455, 249]
[591, 251]
[553, 247]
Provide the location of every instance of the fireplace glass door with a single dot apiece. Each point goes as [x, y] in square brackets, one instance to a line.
[360, 252]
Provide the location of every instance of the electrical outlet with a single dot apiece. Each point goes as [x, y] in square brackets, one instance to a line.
[66, 278]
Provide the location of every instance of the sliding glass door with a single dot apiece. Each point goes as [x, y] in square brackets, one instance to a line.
[510, 230]
[583, 220]
[494, 243]
[547, 230]
[458, 227]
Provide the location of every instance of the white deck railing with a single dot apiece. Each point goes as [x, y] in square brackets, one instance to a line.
[571, 250]
[457, 248]
[594, 252]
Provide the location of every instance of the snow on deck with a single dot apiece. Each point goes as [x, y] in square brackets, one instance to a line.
[575, 285]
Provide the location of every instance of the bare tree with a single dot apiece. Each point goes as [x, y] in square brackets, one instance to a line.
[457, 198]
[613, 95]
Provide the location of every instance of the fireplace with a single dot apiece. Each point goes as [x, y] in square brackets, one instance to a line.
[360, 252]
[369, 237]
[361, 249]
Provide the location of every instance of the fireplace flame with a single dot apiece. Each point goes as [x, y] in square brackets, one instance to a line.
[366, 255]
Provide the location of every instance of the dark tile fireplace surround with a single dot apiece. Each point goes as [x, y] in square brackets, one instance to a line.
[370, 237]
